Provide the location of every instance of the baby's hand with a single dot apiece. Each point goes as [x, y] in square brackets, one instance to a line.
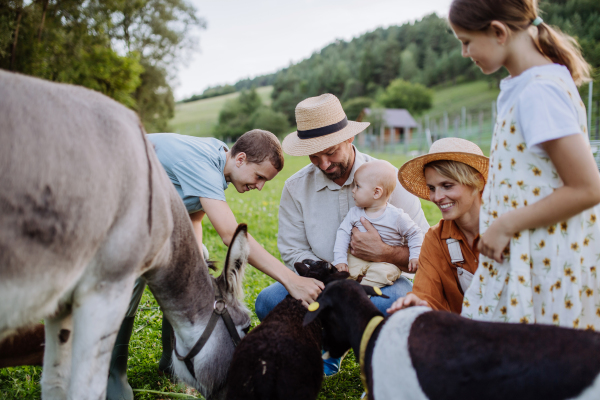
[413, 265]
[341, 267]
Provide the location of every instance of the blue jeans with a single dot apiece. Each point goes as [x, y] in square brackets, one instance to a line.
[270, 296]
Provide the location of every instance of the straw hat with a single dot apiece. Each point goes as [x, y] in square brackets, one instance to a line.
[322, 123]
[411, 174]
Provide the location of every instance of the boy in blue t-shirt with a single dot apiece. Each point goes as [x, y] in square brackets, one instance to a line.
[201, 169]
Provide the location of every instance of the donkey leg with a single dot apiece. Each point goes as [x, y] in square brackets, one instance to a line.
[57, 356]
[96, 321]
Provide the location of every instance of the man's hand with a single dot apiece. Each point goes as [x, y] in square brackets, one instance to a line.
[341, 267]
[305, 289]
[367, 245]
[404, 302]
[413, 265]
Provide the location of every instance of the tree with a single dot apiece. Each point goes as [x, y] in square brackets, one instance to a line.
[125, 49]
[154, 99]
[215, 91]
[235, 117]
[286, 103]
[414, 97]
[162, 32]
[408, 64]
[269, 120]
[354, 107]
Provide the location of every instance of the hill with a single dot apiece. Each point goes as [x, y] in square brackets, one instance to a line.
[197, 118]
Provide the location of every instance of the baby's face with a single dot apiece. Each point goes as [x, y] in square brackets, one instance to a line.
[364, 189]
[370, 179]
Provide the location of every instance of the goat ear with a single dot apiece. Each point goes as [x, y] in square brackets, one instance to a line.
[374, 291]
[235, 263]
[301, 268]
[314, 309]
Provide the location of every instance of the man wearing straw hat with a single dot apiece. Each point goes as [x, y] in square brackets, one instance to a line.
[316, 199]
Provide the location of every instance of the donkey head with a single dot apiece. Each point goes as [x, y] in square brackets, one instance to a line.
[207, 369]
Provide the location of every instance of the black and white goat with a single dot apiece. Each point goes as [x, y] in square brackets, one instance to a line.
[281, 358]
[418, 353]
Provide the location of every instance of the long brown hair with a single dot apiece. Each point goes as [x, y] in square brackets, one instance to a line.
[560, 48]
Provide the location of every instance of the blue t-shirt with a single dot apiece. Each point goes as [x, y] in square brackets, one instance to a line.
[194, 165]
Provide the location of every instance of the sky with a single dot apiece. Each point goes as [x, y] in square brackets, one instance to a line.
[249, 38]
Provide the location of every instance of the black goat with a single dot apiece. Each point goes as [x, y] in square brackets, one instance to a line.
[418, 353]
[280, 358]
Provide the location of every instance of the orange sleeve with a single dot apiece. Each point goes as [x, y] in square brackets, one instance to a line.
[428, 283]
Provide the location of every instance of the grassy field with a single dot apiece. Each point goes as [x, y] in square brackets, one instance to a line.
[474, 96]
[259, 210]
[199, 117]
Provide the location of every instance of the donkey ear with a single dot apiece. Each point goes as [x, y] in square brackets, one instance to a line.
[374, 291]
[301, 268]
[235, 263]
[314, 309]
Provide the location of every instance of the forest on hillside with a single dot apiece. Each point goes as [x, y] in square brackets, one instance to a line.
[424, 52]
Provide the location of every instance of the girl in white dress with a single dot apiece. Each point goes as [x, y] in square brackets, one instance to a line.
[540, 237]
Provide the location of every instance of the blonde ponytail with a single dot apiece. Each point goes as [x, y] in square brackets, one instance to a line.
[563, 49]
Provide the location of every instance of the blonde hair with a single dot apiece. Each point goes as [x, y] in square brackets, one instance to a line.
[460, 172]
[388, 185]
[382, 173]
[560, 48]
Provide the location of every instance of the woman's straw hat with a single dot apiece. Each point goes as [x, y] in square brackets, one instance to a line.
[322, 123]
[411, 174]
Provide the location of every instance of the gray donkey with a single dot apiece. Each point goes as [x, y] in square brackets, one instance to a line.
[85, 208]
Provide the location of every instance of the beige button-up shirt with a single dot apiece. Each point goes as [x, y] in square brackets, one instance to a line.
[312, 208]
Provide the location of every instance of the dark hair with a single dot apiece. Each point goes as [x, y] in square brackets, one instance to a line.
[259, 145]
[560, 48]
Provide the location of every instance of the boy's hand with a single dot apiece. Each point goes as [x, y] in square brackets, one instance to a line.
[341, 267]
[410, 300]
[413, 265]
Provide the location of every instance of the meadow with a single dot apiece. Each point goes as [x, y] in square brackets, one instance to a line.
[260, 211]
[198, 118]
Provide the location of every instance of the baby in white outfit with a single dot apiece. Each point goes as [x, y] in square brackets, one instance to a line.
[374, 183]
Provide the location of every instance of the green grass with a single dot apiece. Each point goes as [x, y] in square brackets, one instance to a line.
[199, 117]
[475, 96]
[260, 211]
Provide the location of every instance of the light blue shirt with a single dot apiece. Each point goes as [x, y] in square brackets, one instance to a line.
[194, 165]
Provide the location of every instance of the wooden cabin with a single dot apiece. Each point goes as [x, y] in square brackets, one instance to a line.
[398, 126]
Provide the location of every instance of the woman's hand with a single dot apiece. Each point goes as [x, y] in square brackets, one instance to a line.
[410, 300]
[493, 242]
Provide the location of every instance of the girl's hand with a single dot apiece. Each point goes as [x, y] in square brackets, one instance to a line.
[410, 300]
[495, 240]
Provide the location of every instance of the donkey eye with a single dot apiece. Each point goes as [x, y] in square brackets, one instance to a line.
[246, 330]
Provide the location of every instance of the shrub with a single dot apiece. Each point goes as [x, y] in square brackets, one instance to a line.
[414, 97]
[354, 107]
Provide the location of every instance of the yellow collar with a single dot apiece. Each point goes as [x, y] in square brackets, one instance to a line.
[371, 326]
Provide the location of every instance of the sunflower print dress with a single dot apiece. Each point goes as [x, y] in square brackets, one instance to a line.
[549, 275]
